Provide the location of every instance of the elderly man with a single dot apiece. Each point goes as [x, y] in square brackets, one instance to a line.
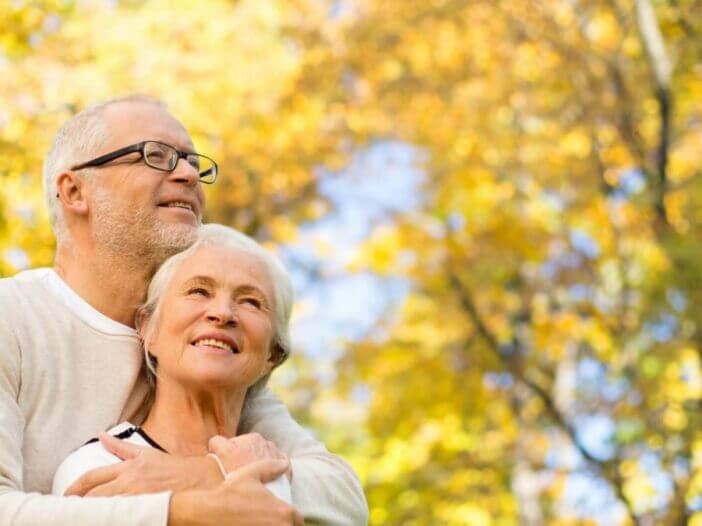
[123, 186]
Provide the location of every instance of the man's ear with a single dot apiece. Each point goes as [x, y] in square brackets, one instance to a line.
[71, 190]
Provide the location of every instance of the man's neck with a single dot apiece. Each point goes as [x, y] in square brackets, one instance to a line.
[112, 284]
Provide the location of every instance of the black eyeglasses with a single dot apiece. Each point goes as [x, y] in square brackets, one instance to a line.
[162, 157]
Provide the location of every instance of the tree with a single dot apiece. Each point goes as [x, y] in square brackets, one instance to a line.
[551, 338]
[555, 264]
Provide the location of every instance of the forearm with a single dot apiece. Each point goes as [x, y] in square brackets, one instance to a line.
[325, 488]
[30, 509]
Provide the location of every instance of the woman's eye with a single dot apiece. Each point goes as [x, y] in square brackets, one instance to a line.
[255, 302]
[199, 291]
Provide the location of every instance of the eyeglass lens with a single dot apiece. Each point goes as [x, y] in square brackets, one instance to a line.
[164, 157]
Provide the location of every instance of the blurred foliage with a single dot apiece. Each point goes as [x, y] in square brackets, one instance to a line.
[555, 261]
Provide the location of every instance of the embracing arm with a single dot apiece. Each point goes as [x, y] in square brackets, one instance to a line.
[21, 508]
[241, 501]
[324, 487]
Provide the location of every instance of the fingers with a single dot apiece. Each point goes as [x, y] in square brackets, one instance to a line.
[245, 449]
[233, 454]
[106, 490]
[257, 445]
[276, 453]
[93, 478]
[218, 445]
[262, 470]
[273, 450]
[120, 448]
[249, 440]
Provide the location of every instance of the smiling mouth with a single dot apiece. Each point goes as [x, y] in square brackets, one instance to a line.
[211, 342]
[179, 204]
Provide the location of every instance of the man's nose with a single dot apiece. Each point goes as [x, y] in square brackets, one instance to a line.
[185, 173]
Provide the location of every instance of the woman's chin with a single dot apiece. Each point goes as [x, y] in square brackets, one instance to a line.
[212, 378]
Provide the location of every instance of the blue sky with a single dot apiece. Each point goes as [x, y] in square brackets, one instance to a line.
[335, 304]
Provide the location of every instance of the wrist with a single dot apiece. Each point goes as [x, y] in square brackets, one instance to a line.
[206, 471]
[182, 509]
[219, 464]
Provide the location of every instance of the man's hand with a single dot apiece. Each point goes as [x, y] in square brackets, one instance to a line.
[241, 499]
[144, 470]
[245, 449]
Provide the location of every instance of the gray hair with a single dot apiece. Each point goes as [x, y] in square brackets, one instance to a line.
[222, 236]
[79, 138]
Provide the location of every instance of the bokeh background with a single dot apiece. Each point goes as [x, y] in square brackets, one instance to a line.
[491, 209]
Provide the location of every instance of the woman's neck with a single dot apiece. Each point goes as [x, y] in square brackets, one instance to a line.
[183, 421]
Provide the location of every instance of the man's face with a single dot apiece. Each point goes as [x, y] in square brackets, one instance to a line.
[138, 209]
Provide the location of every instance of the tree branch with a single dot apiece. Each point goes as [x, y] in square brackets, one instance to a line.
[608, 468]
[662, 69]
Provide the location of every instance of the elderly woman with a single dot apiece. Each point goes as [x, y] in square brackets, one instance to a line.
[214, 326]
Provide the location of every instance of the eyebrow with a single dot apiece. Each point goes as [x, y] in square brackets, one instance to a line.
[187, 147]
[250, 289]
[200, 280]
[211, 282]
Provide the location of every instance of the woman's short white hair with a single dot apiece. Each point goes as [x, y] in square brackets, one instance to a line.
[222, 236]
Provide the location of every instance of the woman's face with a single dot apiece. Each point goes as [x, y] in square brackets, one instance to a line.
[216, 322]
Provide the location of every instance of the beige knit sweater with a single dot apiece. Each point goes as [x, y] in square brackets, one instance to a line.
[67, 371]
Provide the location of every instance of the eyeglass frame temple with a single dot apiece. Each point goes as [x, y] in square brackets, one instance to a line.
[103, 159]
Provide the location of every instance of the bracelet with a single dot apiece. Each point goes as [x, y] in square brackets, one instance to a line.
[219, 464]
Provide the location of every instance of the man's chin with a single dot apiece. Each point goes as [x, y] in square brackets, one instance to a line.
[174, 238]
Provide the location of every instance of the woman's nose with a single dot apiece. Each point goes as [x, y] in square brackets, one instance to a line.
[223, 314]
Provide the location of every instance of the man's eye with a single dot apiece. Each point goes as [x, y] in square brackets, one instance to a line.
[194, 162]
[199, 291]
[155, 156]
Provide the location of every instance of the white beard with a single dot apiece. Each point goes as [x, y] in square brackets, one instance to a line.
[137, 233]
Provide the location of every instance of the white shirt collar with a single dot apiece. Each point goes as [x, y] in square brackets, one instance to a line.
[78, 305]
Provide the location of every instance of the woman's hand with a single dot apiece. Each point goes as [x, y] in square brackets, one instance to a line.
[245, 449]
[144, 470]
[148, 470]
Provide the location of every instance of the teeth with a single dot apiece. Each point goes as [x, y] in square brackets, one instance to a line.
[214, 343]
[180, 204]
